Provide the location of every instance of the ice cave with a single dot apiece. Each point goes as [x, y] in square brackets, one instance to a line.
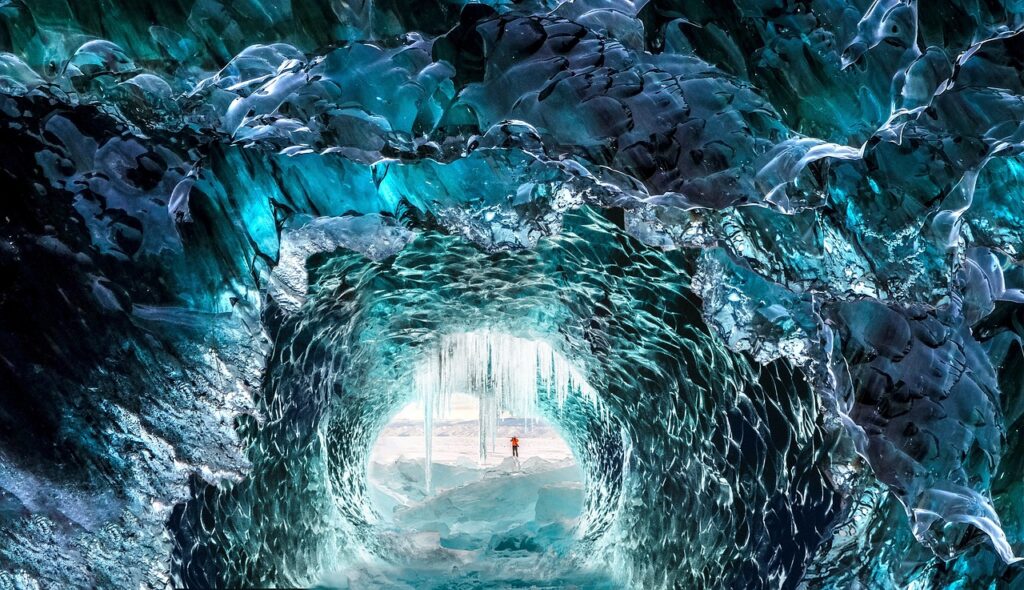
[281, 279]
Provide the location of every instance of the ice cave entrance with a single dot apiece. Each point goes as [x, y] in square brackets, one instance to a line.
[443, 465]
[471, 494]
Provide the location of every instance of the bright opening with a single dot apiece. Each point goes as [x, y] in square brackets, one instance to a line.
[509, 376]
[471, 496]
[456, 437]
[445, 464]
[454, 499]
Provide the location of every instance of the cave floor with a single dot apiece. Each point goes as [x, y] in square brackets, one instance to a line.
[512, 526]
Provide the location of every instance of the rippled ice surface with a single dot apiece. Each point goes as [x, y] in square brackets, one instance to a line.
[509, 524]
[764, 259]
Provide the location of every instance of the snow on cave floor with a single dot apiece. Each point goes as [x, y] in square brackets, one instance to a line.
[496, 524]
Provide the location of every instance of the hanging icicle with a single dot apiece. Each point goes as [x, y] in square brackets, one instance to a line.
[506, 373]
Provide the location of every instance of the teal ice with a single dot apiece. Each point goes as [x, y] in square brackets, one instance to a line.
[758, 261]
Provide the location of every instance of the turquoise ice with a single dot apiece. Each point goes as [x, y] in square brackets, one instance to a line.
[758, 262]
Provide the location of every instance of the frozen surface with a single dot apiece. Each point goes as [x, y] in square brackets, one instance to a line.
[508, 524]
[779, 242]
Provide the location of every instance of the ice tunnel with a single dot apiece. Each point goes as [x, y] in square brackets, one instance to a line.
[758, 263]
[344, 360]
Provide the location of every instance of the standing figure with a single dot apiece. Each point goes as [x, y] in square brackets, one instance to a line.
[515, 447]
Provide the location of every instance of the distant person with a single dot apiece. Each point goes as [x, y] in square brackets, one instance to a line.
[515, 447]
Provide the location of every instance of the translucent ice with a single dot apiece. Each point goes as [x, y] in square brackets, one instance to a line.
[759, 263]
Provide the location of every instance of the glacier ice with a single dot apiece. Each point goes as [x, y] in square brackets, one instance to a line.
[508, 523]
[758, 261]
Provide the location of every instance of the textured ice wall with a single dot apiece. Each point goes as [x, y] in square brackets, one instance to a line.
[348, 360]
[841, 178]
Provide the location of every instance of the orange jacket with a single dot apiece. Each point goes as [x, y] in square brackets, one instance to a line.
[515, 442]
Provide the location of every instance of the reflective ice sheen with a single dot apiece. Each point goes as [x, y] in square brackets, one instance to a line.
[778, 244]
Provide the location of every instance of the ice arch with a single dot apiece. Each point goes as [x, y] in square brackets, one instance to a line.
[695, 439]
[908, 242]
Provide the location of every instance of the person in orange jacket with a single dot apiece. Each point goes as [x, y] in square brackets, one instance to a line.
[515, 447]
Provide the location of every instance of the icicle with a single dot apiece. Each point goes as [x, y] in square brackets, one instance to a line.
[428, 435]
[507, 374]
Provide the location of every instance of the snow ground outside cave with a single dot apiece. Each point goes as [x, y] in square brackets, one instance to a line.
[456, 437]
[498, 523]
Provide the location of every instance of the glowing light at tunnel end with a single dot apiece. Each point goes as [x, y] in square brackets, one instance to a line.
[507, 373]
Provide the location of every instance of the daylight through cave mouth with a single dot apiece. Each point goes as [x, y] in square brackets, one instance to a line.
[478, 505]
[501, 519]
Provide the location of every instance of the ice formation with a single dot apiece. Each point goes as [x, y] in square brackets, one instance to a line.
[507, 523]
[777, 242]
[506, 373]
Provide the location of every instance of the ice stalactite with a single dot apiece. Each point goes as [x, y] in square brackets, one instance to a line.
[507, 374]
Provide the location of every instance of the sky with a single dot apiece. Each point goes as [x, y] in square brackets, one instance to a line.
[464, 407]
